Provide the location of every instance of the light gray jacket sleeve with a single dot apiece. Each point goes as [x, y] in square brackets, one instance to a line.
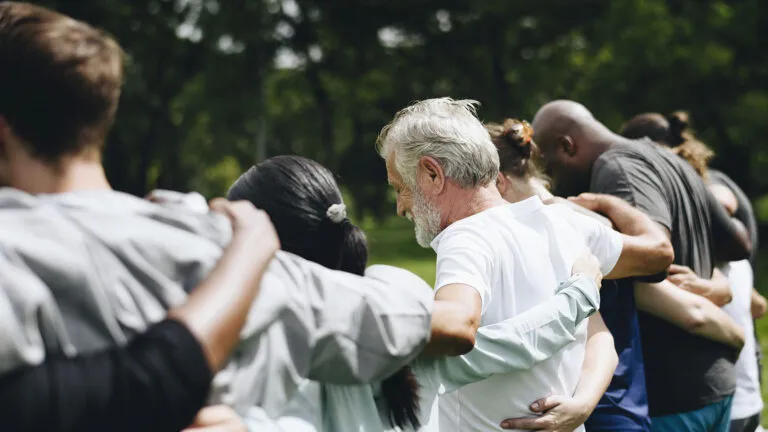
[521, 342]
[328, 326]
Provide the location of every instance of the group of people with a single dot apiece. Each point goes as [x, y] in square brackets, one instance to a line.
[259, 312]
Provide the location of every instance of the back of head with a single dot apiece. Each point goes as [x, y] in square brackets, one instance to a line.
[672, 131]
[447, 130]
[305, 205]
[648, 125]
[514, 142]
[60, 81]
[570, 140]
[304, 202]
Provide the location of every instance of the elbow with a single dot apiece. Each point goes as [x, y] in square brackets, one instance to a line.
[612, 358]
[695, 318]
[461, 339]
[462, 342]
[664, 257]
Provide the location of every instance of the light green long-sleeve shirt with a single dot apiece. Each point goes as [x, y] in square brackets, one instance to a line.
[518, 343]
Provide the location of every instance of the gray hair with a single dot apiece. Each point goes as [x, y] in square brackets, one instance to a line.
[447, 130]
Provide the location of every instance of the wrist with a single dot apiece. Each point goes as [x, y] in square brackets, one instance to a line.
[584, 406]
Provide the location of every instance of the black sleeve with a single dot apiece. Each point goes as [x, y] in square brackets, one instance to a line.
[731, 238]
[158, 382]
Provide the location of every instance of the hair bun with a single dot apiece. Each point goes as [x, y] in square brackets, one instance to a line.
[679, 127]
[678, 120]
[520, 133]
[337, 213]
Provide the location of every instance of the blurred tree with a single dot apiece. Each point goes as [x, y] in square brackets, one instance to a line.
[214, 86]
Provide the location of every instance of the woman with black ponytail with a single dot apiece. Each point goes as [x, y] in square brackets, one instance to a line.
[305, 205]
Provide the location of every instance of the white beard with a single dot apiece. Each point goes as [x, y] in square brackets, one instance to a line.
[426, 220]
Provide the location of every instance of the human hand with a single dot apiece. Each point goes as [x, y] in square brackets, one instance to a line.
[217, 418]
[758, 305]
[588, 265]
[249, 221]
[682, 276]
[558, 414]
[598, 203]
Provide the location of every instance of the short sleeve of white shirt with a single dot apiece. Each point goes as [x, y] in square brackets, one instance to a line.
[605, 243]
[464, 257]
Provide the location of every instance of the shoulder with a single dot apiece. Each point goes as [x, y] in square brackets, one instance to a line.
[470, 233]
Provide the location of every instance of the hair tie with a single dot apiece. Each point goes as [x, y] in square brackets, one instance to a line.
[337, 213]
[521, 132]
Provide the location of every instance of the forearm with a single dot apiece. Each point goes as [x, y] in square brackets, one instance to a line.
[157, 382]
[600, 361]
[688, 311]
[730, 236]
[646, 250]
[217, 309]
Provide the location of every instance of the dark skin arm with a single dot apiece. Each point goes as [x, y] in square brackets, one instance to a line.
[731, 238]
[647, 249]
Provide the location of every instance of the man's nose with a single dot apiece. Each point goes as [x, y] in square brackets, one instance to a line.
[400, 209]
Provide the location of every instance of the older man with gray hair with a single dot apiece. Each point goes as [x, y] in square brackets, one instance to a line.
[497, 259]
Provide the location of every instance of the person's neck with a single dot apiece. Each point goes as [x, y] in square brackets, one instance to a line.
[521, 189]
[468, 202]
[37, 177]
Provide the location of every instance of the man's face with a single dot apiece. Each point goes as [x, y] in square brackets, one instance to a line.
[561, 161]
[413, 204]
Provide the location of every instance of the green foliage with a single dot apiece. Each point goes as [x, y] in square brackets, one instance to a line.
[212, 82]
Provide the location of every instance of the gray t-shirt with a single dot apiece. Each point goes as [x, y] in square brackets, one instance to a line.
[684, 372]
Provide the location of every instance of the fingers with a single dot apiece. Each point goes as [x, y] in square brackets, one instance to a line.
[213, 415]
[546, 403]
[218, 418]
[587, 200]
[239, 212]
[528, 423]
[675, 268]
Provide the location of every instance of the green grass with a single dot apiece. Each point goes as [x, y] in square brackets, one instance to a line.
[394, 243]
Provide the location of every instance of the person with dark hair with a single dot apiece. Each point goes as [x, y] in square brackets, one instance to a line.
[86, 269]
[689, 377]
[671, 131]
[305, 203]
[738, 275]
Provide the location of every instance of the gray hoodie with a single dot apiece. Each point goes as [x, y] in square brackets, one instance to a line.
[82, 271]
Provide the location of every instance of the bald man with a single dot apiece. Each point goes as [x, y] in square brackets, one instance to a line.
[689, 378]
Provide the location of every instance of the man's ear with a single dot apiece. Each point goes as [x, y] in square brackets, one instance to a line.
[567, 144]
[5, 136]
[431, 176]
[502, 184]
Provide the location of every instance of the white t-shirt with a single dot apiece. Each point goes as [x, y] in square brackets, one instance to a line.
[514, 256]
[747, 401]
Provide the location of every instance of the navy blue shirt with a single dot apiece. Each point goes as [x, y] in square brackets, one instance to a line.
[624, 406]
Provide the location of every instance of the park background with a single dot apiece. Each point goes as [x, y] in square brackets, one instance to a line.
[214, 86]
